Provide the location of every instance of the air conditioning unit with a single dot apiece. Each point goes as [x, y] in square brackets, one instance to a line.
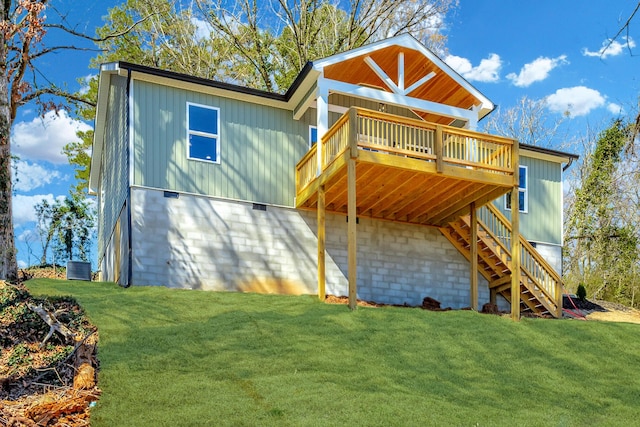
[78, 270]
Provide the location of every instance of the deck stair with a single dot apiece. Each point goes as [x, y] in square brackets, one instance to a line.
[540, 285]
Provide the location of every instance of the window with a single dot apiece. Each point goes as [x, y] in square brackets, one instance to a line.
[313, 135]
[523, 200]
[203, 127]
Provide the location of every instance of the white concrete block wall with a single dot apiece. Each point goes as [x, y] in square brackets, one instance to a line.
[205, 243]
[552, 254]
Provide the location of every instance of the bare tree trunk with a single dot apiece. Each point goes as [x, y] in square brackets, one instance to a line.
[8, 265]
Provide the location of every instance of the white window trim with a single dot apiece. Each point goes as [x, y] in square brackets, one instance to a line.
[524, 190]
[311, 128]
[205, 134]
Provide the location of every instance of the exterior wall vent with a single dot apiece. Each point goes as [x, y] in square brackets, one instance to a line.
[259, 207]
[79, 270]
[171, 195]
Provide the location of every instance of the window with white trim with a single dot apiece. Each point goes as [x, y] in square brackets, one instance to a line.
[203, 133]
[523, 199]
[313, 135]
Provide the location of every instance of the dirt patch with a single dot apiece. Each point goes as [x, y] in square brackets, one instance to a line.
[598, 310]
[333, 299]
[614, 312]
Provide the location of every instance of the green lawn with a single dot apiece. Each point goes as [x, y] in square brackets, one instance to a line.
[193, 358]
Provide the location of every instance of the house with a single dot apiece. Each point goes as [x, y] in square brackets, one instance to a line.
[366, 178]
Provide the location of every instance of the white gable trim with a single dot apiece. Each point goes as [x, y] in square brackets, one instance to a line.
[401, 100]
[406, 40]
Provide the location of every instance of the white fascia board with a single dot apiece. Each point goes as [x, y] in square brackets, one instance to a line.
[226, 93]
[402, 40]
[400, 100]
[306, 102]
[303, 89]
[106, 70]
[543, 156]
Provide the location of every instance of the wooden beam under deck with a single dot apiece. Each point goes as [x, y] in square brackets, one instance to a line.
[369, 165]
[474, 257]
[413, 195]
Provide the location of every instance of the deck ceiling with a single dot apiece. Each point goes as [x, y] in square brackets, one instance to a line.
[442, 88]
[410, 195]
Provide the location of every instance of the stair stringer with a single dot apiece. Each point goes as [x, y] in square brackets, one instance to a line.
[540, 284]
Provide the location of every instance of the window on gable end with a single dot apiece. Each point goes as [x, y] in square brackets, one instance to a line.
[523, 192]
[203, 133]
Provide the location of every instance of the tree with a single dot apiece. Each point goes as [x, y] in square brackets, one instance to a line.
[45, 226]
[23, 26]
[304, 30]
[74, 228]
[602, 242]
[529, 121]
[21, 29]
[624, 28]
[67, 225]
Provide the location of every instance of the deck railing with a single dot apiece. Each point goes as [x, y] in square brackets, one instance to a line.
[412, 138]
[534, 267]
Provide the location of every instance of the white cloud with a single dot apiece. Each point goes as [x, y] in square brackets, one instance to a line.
[23, 211]
[536, 71]
[577, 101]
[203, 29]
[611, 48]
[28, 235]
[615, 108]
[22, 264]
[30, 176]
[43, 137]
[487, 71]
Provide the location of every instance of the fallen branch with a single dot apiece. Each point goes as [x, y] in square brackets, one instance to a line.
[54, 324]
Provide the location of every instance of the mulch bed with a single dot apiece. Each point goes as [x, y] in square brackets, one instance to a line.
[572, 302]
[45, 384]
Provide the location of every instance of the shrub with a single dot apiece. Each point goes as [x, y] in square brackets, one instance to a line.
[581, 292]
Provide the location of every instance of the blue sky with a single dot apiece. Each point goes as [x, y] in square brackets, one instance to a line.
[547, 49]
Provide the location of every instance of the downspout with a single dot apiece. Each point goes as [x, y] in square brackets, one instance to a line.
[129, 173]
[565, 167]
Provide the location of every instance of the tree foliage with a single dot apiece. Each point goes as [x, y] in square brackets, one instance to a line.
[66, 226]
[529, 121]
[602, 224]
[304, 30]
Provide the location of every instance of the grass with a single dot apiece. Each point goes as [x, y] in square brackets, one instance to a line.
[192, 358]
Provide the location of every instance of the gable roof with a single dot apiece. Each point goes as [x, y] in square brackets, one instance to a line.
[403, 65]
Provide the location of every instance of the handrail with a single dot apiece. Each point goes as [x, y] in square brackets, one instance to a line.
[536, 268]
[409, 137]
[448, 144]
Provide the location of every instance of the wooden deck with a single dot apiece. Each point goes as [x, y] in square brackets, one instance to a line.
[406, 170]
[397, 169]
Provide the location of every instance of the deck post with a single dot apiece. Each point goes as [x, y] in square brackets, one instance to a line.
[351, 232]
[474, 256]
[322, 119]
[353, 132]
[321, 244]
[438, 149]
[515, 234]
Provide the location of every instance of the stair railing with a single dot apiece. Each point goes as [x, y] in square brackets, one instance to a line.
[534, 268]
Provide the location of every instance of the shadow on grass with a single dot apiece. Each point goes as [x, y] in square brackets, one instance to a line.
[173, 357]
